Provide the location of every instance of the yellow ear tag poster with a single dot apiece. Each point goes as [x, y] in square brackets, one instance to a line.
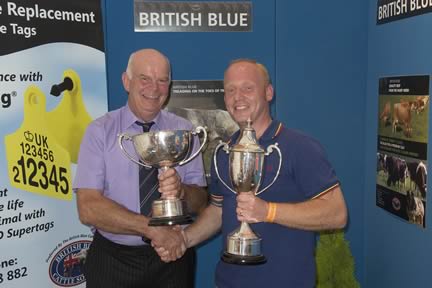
[69, 120]
[36, 162]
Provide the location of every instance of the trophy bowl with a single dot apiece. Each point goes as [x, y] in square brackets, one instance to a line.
[162, 150]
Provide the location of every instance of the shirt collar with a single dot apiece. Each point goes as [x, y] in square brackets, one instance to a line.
[270, 133]
[128, 118]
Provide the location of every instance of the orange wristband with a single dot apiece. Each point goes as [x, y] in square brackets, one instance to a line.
[271, 212]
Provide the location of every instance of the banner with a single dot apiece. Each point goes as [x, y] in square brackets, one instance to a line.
[403, 120]
[52, 85]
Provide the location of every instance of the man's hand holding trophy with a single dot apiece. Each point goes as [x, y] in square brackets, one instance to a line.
[164, 150]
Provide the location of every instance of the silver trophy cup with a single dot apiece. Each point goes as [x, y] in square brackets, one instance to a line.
[246, 160]
[162, 150]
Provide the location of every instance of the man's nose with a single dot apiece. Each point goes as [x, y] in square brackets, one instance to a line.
[153, 85]
[238, 95]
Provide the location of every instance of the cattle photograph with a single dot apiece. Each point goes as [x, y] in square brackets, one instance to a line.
[402, 140]
[415, 209]
[404, 117]
[402, 174]
[408, 178]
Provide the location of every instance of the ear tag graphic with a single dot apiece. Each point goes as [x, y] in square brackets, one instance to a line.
[69, 120]
[36, 162]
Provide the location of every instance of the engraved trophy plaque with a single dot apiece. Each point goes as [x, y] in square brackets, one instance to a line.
[162, 150]
[246, 160]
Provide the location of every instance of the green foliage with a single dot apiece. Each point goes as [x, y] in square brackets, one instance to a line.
[335, 264]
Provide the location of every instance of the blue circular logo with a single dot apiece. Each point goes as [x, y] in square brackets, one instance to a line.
[65, 268]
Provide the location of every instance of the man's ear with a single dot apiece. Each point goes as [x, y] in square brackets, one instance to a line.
[126, 81]
[269, 92]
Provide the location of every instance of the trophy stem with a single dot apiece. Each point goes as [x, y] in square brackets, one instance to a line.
[246, 231]
[170, 210]
[243, 247]
[164, 168]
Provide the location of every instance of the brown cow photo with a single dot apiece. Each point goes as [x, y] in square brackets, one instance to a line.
[404, 117]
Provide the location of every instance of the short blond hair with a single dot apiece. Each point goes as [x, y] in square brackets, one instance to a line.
[260, 67]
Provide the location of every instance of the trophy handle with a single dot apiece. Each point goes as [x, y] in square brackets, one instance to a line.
[197, 131]
[269, 151]
[120, 141]
[226, 149]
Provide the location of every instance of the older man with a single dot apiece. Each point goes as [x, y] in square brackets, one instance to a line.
[108, 193]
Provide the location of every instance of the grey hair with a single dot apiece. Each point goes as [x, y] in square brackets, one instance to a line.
[131, 58]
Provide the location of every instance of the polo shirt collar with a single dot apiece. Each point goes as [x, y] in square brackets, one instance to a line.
[270, 133]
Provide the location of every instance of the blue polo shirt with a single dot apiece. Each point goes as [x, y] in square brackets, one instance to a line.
[305, 173]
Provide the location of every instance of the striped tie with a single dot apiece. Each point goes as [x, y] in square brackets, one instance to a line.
[148, 181]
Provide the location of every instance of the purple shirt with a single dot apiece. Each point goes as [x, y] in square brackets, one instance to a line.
[103, 166]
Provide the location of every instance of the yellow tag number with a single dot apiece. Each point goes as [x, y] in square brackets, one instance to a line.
[32, 150]
[29, 171]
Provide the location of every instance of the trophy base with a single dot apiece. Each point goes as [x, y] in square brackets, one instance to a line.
[170, 221]
[243, 260]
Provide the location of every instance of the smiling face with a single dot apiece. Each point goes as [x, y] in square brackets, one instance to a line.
[147, 81]
[247, 94]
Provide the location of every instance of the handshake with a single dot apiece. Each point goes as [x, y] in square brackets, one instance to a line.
[170, 243]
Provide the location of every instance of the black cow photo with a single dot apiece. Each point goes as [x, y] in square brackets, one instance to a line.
[408, 177]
